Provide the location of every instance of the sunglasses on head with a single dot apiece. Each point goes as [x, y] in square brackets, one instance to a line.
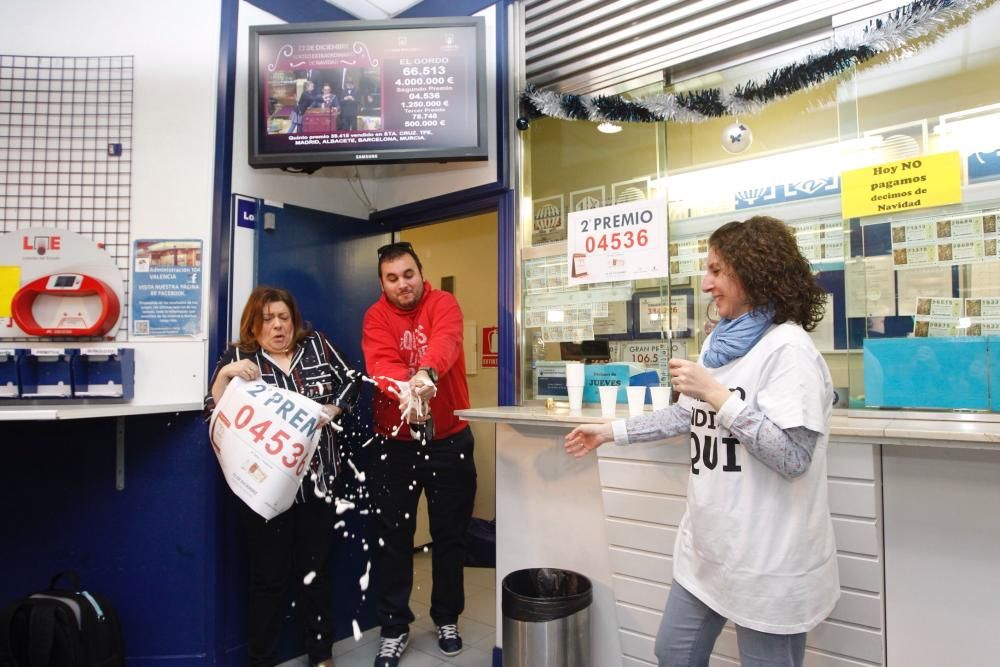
[398, 245]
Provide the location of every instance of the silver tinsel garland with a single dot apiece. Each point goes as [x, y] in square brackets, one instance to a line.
[894, 33]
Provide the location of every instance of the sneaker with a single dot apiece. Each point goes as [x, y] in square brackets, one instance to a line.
[449, 641]
[390, 649]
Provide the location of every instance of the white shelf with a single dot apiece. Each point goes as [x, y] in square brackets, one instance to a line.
[50, 411]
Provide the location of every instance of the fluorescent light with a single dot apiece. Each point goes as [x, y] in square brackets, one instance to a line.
[609, 128]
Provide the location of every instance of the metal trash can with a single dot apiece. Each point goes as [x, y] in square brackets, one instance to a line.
[546, 618]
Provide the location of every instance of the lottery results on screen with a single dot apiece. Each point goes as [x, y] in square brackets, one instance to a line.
[264, 438]
[369, 89]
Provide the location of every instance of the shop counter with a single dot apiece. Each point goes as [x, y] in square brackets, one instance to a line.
[911, 496]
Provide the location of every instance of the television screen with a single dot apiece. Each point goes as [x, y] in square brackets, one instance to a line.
[401, 90]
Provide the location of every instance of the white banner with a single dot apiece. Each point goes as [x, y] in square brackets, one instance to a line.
[264, 438]
[621, 242]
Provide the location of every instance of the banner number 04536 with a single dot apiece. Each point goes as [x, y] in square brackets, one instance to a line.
[616, 241]
[274, 440]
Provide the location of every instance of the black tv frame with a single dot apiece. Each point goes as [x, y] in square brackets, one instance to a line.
[312, 160]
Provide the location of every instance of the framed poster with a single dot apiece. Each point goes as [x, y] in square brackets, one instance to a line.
[655, 314]
[166, 287]
[612, 319]
[633, 190]
[548, 220]
[583, 200]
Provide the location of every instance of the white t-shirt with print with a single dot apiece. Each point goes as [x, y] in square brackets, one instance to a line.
[753, 546]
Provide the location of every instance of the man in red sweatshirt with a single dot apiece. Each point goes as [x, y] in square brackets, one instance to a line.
[412, 340]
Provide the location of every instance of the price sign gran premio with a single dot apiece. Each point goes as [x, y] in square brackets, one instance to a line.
[621, 242]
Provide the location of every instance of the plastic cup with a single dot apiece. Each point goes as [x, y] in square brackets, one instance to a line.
[575, 398]
[661, 397]
[609, 400]
[636, 400]
[574, 374]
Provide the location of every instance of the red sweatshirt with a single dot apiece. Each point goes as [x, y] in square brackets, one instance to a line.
[397, 343]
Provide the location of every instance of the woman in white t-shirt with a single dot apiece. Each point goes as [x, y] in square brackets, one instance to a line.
[755, 545]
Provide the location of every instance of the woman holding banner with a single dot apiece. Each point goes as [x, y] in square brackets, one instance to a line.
[755, 544]
[278, 348]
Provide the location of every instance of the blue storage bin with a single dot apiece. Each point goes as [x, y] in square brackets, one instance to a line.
[10, 387]
[46, 373]
[104, 373]
[941, 373]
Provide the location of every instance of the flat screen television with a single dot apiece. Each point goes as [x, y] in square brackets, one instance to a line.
[349, 92]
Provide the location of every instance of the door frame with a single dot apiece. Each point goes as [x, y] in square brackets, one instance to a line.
[491, 198]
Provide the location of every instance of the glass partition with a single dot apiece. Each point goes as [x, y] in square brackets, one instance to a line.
[913, 287]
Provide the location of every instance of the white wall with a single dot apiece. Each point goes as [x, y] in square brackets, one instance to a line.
[176, 50]
[387, 185]
[399, 184]
[326, 190]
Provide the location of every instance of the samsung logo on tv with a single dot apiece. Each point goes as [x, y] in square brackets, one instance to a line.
[366, 156]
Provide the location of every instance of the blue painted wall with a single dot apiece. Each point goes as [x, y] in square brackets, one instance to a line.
[328, 262]
[150, 548]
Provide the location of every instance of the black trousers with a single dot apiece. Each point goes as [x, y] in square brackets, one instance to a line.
[445, 470]
[289, 546]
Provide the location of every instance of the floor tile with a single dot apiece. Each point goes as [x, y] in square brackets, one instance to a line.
[477, 625]
[481, 607]
[348, 645]
[481, 576]
[474, 631]
[471, 657]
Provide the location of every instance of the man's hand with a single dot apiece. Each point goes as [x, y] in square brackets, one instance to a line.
[413, 408]
[422, 386]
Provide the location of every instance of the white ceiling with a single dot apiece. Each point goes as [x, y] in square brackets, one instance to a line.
[373, 9]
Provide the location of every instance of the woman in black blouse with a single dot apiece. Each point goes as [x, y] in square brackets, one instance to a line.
[276, 346]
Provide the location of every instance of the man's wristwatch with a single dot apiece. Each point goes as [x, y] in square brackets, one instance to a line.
[431, 373]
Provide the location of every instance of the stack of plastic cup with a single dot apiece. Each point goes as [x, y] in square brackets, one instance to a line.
[661, 397]
[636, 400]
[574, 385]
[609, 400]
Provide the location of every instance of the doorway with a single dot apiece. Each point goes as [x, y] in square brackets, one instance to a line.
[463, 252]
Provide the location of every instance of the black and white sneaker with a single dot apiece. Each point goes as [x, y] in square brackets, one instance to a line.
[390, 649]
[449, 641]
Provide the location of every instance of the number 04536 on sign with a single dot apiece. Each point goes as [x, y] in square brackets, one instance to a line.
[621, 242]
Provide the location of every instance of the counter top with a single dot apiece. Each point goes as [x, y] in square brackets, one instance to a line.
[967, 433]
[87, 410]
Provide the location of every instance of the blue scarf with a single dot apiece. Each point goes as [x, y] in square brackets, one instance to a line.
[732, 339]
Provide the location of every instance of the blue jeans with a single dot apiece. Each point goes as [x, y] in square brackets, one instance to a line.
[689, 629]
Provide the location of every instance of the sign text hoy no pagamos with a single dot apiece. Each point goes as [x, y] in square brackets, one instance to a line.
[264, 438]
[921, 182]
[621, 242]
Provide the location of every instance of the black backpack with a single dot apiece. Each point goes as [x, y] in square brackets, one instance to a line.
[60, 628]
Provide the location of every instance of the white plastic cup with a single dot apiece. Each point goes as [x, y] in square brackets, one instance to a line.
[661, 397]
[574, 374]
[609, 401]
[636, 400]
[575, 398]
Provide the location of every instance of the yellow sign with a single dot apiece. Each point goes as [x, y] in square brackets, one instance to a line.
[10, 282]
[928, 180]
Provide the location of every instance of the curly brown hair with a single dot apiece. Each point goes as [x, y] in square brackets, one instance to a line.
[764, 255]
[252, 320]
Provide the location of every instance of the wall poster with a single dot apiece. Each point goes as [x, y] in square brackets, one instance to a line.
[166, 292]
